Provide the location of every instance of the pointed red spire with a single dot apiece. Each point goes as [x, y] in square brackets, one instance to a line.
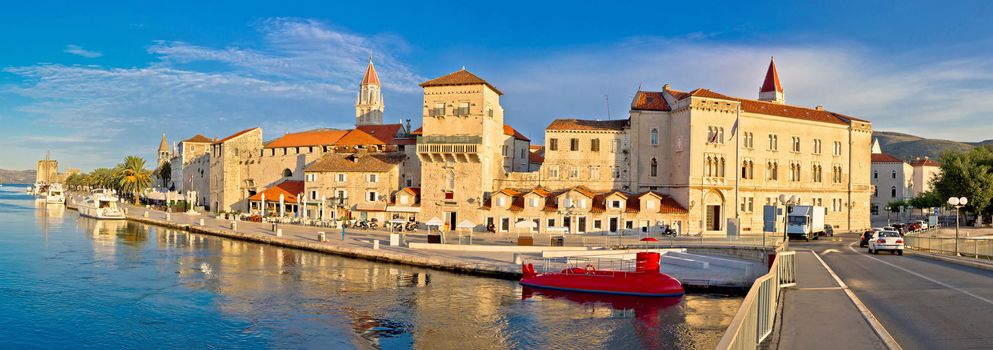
[771, 82]
[370, 78]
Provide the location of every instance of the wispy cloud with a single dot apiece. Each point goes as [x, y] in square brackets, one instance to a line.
[79, 51]
[927, 95]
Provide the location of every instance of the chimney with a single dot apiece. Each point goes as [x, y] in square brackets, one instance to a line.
[819, 108]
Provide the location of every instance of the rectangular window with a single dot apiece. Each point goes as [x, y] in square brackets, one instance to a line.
[551, 222]
[597, 224]
[313, 195]
[463, 109]
[553, 172]
[574, 172]
[573, 144]
[594, 172]
[796, 144]
[372, 178]
[553, 144]
[595, 145]
[371, 196]
[311, 177]
[342, 177]
[438, 110]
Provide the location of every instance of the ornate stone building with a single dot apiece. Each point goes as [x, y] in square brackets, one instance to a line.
[369, 104]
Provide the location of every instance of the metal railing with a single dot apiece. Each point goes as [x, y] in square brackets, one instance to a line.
[979, 248]
[755, 318]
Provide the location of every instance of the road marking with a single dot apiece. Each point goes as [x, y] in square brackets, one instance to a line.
[881, 331]
[830, 251]
[943, 284]
[820, 288]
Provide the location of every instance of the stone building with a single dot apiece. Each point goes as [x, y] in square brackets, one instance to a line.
[369, 104]
[47, 170]
[721, 158]
[190, 167]
[354, 185]
[230, 159]
[895, 180]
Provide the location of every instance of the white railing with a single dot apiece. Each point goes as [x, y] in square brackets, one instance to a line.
[979, 248]
[757, 314]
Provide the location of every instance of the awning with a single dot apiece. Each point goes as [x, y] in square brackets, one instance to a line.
[434, 222]
[466, 224]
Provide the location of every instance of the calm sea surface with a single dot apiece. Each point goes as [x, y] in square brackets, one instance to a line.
[71, 282]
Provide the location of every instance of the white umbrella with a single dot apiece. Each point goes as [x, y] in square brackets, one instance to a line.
[398, 221]
[434, 222]
[466, 224]
[263, 204]
[525, 224]
[282, 205]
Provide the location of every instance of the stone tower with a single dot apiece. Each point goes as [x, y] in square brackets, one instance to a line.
[460, 147]
[163, 151]
[771, 91]
[369, 104]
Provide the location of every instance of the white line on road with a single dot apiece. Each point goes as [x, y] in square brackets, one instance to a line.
[943, 284]
[881, 331]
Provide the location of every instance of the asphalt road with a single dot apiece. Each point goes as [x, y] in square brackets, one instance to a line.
[923, 303]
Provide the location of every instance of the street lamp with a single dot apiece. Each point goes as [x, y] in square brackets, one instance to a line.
[957, 203]
[787, 201]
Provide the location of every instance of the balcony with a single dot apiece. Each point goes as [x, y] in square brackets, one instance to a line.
[453, 147]
[462, 111]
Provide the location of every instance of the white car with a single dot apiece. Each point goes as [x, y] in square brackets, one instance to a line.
[886, 240]
[923, 223]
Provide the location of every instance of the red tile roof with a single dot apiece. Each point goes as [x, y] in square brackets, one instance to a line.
[461, 77]
[226, 139]
[580, 124]
[885, 158]
[356, 162]
[541, 191]
[414, 191]
[384, 132]
[924, 162]
[357, 137]
[768, 108]
[509, 131]
[650, 101]
[370, 77]
[318, 137]
[289, 189]
[198, 139]
[771, 82]
[419, 131]
[584, 191]
[535, 157]
[670, 206]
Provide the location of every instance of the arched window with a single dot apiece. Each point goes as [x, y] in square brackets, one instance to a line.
[721, 137]
[287, 173]
[655, 167]
[893, 174]
[709, 170]
[654, 136]
[893, 191]
[720, 168]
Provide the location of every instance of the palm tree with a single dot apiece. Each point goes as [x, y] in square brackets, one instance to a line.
[134, 178]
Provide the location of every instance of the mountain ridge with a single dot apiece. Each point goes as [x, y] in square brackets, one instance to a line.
[907, 146]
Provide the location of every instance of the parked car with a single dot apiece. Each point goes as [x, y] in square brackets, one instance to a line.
[913, 226]
[864, 239]
[886, 240]
[899, 228]
[829, 230]
[923, 224]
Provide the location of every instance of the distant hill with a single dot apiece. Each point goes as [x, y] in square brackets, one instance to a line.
[907, 147]
[17, 176]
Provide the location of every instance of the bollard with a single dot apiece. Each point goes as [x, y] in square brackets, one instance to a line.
[518, 259]
[321, 237]
[146, 214]
[168, 217]
[279, 232]
[375, 244]
[274, 227]
[125, 211]
[234, 225]
[201, 222]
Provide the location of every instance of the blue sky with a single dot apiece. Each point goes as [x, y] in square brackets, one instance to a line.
[94, 81]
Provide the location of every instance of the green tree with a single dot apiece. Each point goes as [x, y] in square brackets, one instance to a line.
[967, 174]
[133, 177]
[165, 173]
[929, 199]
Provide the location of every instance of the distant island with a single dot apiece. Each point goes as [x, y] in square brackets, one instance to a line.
[17, 176]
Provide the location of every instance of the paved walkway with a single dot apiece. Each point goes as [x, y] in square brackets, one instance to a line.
[818, 314]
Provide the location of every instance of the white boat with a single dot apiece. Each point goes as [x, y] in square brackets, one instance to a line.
[55, 194]
[101, 206]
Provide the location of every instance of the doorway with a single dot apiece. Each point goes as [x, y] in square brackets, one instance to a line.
[713, 218]
[450, 222]
[612, 225]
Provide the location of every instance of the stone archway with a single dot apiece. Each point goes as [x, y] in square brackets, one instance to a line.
[713, 219]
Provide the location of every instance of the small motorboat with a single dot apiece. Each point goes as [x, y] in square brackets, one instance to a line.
[604, 275]
[101, 206]
[54, 194]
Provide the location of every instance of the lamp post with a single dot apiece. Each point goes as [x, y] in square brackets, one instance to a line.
[957, 203]
[787, 201]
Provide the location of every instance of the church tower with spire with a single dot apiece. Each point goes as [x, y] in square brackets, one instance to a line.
[369, 104]
[163, 151]
[771, 91]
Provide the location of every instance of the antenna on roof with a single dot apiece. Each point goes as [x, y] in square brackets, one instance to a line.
[607, 101]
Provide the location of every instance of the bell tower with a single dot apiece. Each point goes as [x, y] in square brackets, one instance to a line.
[163, 151]
[369, 104]
[771, 90]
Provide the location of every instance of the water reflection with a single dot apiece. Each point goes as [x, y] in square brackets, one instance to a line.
[131, 285]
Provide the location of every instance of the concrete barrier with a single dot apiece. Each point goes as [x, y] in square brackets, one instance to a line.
[746, 266]
[201, 222]
[488, 248]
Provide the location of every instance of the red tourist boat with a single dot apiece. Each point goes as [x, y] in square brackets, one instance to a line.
[604, 275]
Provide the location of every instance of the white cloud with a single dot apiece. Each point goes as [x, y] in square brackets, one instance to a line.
[937, 97]
[79, 51]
